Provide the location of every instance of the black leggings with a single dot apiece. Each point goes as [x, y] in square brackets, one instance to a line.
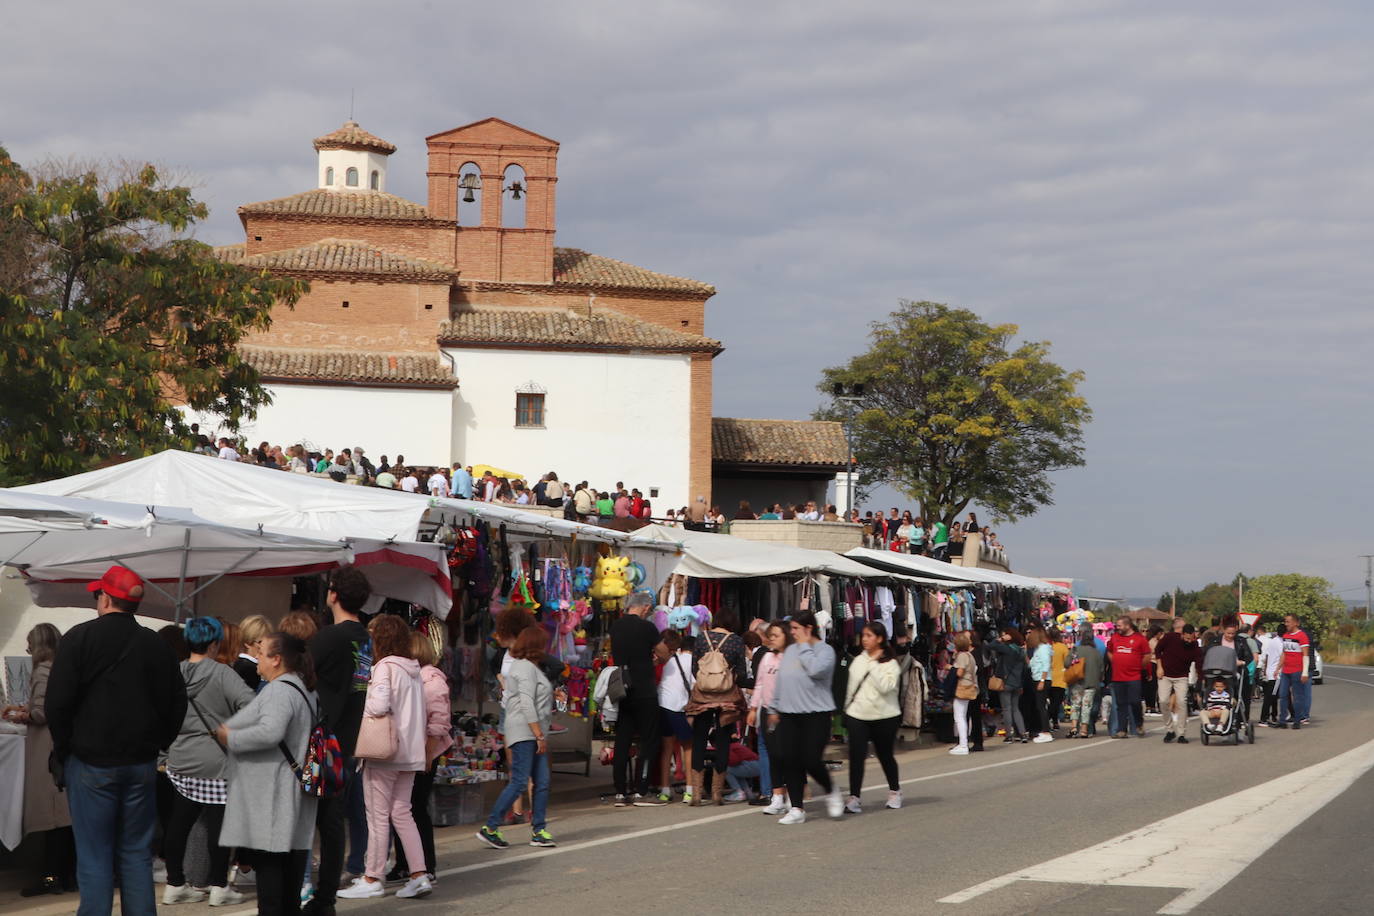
[419, 809]
[1269, 712]
[279, 880]
[184, 816]
[801, 742]
[1054, 704]
[883, 734]
[1033, 710]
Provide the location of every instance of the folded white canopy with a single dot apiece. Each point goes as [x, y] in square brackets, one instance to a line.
[912, 563]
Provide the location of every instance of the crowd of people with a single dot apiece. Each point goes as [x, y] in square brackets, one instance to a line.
[907, 533]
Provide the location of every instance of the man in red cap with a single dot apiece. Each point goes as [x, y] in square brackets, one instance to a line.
[115, 699]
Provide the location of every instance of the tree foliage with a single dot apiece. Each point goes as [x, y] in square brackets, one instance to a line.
[1311, 598]
[954, 412]
[110, 314]
[1211, 602]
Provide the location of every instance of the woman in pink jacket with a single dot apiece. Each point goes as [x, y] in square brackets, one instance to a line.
[395, 690]
[438, 739]
[775, 639]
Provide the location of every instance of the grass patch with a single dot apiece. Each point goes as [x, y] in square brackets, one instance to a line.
[1352, 655]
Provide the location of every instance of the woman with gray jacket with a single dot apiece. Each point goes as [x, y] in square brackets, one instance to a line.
[268, 815]
[800, 711]
[527, 700]
[1011, 668]
[196, 763]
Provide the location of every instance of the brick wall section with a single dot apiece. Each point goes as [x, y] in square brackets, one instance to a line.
[833, 536]
[687, 315]
[428, 240]
[381, 317]
[699, 429]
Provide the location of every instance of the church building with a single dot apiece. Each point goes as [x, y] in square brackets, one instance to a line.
[457, 330]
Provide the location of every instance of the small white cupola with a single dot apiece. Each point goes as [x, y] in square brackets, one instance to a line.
[351, 159]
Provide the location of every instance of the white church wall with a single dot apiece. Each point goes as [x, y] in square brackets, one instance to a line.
[608, 417]
[384, 421]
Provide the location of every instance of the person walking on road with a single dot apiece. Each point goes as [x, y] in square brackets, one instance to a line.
[1175, 655]
[872, 713]
[1129, 654]
[720, 667]
[115, 700]
[1295, 688]
[1270, 667]
[801, 712]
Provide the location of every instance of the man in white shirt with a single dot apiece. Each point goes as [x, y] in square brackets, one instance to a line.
[1269, 665]
[227, 451]
[410, 483]
[438, 485]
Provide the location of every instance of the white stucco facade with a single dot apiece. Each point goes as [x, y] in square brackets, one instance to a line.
[341, 160]
[413, 422]
[608, 417]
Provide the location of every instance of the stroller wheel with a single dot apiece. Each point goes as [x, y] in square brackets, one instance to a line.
[1205, 738]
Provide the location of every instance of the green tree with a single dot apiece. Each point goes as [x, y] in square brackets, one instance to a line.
[953, 412]
[1309, 597]
[110, 314]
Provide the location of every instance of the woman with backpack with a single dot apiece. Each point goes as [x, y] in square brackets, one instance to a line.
[266, 814]
[720, 666]
[872, 713]
[196, 764]
[800, 711]
[395, 703]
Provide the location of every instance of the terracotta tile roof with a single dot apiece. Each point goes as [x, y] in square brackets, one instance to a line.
[340, 256]
[818, 443]
[340, 205]
[351, 136]
[232, 254]
[401, 369]
[576, 268]
[604, 329]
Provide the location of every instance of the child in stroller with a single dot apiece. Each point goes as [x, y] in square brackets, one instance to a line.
[1223, 715]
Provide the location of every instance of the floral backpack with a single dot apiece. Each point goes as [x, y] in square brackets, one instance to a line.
[321, 772]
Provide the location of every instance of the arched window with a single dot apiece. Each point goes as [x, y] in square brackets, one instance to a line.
[351, 178]
[376, 182]
[469, 195]
[329, 175]
[513, 197]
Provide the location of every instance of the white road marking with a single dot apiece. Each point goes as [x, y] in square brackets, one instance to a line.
[1201, 850]
[1349, 681]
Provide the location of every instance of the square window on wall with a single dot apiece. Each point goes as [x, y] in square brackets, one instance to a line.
[529, 410]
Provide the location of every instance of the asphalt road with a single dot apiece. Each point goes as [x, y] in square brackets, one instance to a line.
[1068, 828]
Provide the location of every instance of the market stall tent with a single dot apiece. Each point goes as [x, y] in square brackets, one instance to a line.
[59, 544]
[918, 565]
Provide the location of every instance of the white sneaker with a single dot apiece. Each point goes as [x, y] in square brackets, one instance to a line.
[159, 871]
[416, 887]
[181, 893]
[834, 804]
[225, 896]
[307, 892]
[894, 800]
[1042, 738]
[795, 816]
[962, 750]
[239, 877]
[362, 888]
[777, 806]
[853, 806]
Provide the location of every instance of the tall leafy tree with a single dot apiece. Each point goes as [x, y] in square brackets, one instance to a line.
[110, 314]
[1311, 598]
[954, 411]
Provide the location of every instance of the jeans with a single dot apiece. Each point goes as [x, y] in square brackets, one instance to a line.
[639, 718]
[1177, 688]
[387, 793]
[1011, 713]
[1126, 706]
[524, 763]
[1292, 689]
[883, 734]
[766, 764]
[801, 738]
[184, 815]
[114, 810]
[738, 776]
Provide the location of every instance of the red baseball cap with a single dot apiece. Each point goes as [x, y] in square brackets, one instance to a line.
[119, 582]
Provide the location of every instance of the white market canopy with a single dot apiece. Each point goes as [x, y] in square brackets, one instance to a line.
[61, 544]
[708, 555]
[918, 565]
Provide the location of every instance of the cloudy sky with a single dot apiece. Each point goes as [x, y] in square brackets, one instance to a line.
[1177, 195]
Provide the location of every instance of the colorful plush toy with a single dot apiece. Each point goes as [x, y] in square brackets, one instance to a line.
[683, 619]
[660, 618]
[582, 580]
[610, 583]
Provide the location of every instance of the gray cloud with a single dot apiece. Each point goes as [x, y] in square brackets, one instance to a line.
[1176, 195]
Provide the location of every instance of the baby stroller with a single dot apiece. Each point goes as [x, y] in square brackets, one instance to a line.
[1235, 724]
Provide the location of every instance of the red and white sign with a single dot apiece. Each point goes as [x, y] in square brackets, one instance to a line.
[1247, 619]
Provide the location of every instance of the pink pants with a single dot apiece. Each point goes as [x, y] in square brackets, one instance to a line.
[386, 794]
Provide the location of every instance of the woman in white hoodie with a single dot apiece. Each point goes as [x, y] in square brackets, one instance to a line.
[395, 690]
[873, 713]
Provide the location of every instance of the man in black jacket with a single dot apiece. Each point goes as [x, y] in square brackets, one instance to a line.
[115, 699]
[632, 643]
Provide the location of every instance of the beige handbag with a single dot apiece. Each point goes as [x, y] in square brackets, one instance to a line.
[376, 738]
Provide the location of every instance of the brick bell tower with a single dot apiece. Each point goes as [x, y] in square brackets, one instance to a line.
[496, 183]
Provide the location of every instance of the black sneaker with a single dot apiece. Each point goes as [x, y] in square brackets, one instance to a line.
[397, 876]
[649, 801]
[622, 801]
[1182, 739]
[1297, 725]
[492, 838]
[1169, 738]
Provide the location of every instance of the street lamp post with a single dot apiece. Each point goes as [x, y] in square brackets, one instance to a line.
[850, 396]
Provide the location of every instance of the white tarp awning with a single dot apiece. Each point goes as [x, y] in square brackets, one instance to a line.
[722, 556]
[912, 563]
[60, 544]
